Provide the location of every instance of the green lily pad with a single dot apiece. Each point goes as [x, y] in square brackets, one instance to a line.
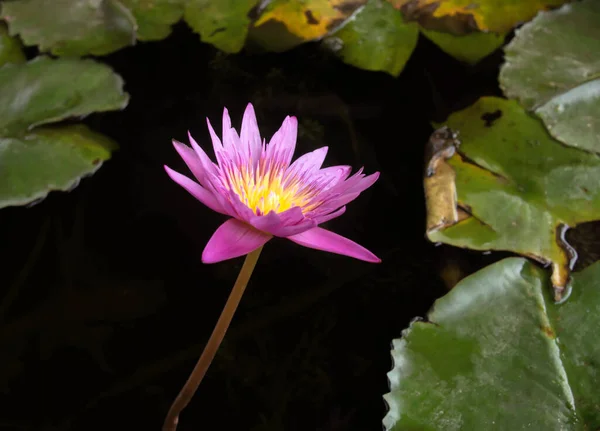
[10, 48]
[470, 48]
[376, 38]
[35, 161]
[71, 27]
[222, 23]
[509, 186]
[48, 159]
[488, 357]
[553, 68]
[154, 17]
[45, 91]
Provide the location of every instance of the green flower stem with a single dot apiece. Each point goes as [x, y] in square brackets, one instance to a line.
[190, 387]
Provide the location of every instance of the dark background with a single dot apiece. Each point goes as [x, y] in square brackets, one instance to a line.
[105, 304]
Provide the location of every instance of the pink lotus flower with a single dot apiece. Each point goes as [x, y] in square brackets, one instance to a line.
[265, 195]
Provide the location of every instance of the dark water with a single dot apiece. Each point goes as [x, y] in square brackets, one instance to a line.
[105, 304]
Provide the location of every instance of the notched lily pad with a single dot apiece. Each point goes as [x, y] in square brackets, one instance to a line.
[10, 48]
[457, 34]
[470, 48]
[284, 24]
[376, 38]
[71, 27]
[509, 186]
[553, 68]
[499, 16]
[36, 160]
[494, 337]
[154, 18]
[45, 90]
[222, 23]
[48, 159]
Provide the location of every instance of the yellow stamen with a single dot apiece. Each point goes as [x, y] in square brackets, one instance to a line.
[265, 192]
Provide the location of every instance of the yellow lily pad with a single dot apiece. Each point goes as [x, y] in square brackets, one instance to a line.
[499, 16]
[303, 20]
[503, 183]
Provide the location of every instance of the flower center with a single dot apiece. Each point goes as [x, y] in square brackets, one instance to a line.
[266, 193]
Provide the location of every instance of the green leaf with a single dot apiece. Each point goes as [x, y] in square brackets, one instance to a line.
[470, 48]
[34, 161]
[222, 23]
[71, 27]
[488, 357]
[48, 159]
[576, 324]
[10, 48]
[553, 68]
[284, 24]
[376, 38]
[45, 91]
[154, 17]
[509, 186]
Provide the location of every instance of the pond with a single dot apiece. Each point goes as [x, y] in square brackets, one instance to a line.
[107, 304]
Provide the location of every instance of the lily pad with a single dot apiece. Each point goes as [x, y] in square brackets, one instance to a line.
[376, 38]
[45, 91]
[154, 17]
[470, 48]
[34, 161]
[499, 16]
[284, 24]
[48, 159]
[506, 184]
[488, 357]
[71, 27]
[10, 48]
[553, 68]
[222, 23]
